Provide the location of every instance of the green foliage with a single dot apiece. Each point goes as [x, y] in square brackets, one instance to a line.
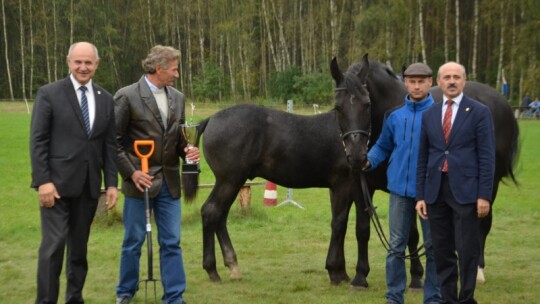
[281, 84]
[313, 88]
[211, 84]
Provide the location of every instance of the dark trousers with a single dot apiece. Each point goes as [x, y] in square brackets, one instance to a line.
[66, 225]
[455, 229]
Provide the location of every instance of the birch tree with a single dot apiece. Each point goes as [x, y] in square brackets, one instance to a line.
[23, 65]
[472, 75]
[457, 31]
[8, 68]
[501, 46]
[421, 32]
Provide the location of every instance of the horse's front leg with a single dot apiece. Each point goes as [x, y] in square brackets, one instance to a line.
[335, 260]
[416, 269]
[362, 239]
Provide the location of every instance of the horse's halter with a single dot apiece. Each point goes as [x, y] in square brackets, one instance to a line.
[344, 135]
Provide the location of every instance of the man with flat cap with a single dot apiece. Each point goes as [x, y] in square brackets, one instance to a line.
[398, 142]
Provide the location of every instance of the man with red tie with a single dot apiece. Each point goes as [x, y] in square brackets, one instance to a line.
[454, 185]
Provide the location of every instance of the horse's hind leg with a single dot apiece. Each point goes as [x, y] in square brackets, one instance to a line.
[227, 249]
[485, 227]
[335, 260]
[214, 214]
[416, 269]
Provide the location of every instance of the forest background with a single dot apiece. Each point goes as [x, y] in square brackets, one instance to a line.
[269, 50]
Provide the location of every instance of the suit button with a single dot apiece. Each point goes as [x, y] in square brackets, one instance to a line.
[447, 152]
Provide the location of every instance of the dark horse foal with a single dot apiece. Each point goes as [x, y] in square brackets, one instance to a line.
[326, 150]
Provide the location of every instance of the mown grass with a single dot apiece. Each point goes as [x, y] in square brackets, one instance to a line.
[281, 251]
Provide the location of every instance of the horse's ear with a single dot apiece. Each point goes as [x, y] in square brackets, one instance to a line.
[336, 73]
[363, 74]
[403, 68]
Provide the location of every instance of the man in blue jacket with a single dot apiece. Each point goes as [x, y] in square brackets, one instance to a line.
[399, 142]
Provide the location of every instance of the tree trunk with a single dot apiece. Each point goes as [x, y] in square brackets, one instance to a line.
[446, 18]
[231, 63]
[333, 26]
[151, 35]
[472, 75]
[275, 60]
[457, 30]
[500, 71]
[110, 52]
[303, 50]
[179, 38]
[46, 41]
[421, 30]
[55, 44]
[71, 23]
[188, 48]
[8, 68]
[283, 49]
[23, 62]
[30, 18]
[200, 26]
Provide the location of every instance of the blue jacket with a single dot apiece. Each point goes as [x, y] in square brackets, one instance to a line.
[399, 140]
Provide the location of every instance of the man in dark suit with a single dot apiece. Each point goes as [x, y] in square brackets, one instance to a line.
[72, 142]
[454, 184]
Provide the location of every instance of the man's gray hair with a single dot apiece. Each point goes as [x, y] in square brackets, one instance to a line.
[159, 55]
[76, 43]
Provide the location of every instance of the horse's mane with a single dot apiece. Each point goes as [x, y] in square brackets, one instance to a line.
[351, 79]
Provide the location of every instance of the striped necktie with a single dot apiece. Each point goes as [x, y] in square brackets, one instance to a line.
[447, 126]
[84, 108]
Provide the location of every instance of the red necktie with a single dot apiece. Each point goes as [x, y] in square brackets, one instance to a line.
[447, 126]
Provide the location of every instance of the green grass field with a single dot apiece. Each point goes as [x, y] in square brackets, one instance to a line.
[281, 251]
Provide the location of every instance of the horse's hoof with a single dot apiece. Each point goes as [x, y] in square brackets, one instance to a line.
[235, 273]
[480, 278]
[416, 285]
[359, 283]
[339, 278]
[357, 288]
[214, 277]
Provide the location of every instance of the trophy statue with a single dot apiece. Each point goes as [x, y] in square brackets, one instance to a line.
[190, 132]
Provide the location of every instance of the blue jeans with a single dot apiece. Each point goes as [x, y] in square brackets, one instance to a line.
[401, 214]
[167, 214]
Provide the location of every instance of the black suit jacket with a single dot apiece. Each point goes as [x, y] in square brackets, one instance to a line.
[470, 153]
[138, 117]
[61, 152]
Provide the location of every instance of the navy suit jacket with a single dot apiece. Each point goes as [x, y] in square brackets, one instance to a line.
[470, 153]
[61, 152]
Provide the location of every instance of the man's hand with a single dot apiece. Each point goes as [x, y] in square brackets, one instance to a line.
[47, 195]
[367, 165]
[112, 197]
[192, 153]
[141, 180]
[482, 207]
[421, 209]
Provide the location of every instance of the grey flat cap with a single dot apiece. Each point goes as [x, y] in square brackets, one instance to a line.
[418, 69]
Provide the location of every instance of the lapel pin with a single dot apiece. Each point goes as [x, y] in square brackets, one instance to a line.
[467, 109]
[99, 93]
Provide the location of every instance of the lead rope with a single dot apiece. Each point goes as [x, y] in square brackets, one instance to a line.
[371, 210]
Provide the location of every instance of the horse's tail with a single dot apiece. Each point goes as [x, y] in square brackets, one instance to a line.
[514, 154]
[190, 182]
